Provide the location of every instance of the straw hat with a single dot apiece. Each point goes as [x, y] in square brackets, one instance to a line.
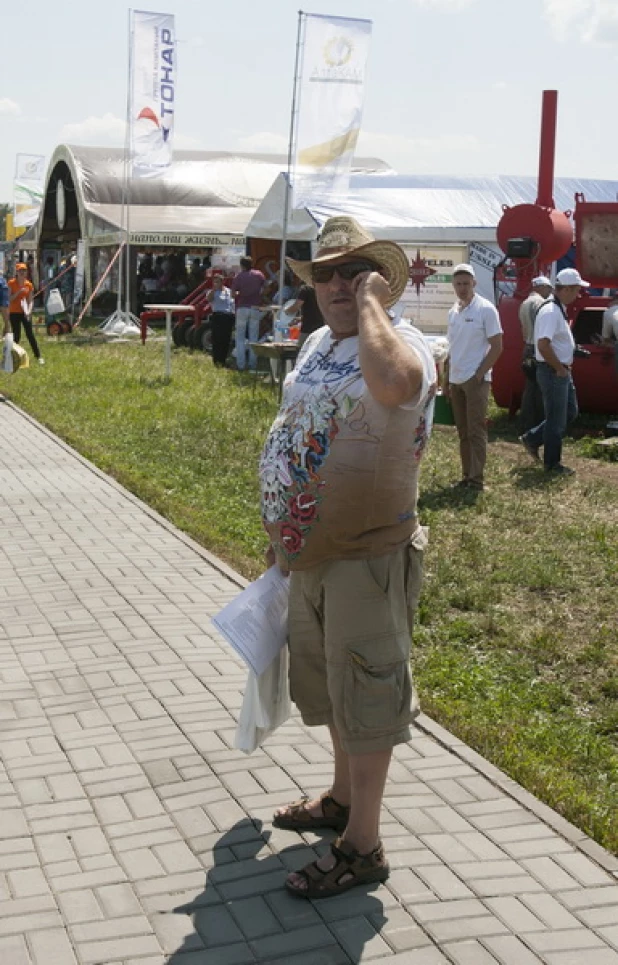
[342, 237]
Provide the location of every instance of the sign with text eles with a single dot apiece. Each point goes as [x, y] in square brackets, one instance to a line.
[429, 293]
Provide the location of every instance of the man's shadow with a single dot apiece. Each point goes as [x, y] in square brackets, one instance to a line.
[244, 902]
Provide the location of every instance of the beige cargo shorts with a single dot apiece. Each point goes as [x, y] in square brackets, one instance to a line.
[349, 631]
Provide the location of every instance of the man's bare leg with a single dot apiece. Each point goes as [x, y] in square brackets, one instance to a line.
[367, 773]
[340, 790]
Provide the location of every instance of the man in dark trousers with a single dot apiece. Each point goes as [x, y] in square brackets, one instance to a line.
[531, 409]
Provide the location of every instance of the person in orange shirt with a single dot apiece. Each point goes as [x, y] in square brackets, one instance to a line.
[20, 308]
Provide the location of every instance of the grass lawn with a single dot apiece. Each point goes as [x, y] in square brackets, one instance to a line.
[516, 647]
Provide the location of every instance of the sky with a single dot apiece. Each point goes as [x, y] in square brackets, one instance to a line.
[453, 86]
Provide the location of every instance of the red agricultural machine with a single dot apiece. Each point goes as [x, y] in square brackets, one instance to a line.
[533, 237]
[191, 325]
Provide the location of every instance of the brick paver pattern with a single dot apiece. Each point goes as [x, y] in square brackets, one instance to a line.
[132, 832]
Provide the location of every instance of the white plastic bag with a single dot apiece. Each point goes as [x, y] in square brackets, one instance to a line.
[266, 704]
[54, 305]
[7, 353]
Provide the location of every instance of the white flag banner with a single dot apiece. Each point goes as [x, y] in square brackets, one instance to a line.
[153, 92]
[330, 105]
[78, 288]
[29, 187]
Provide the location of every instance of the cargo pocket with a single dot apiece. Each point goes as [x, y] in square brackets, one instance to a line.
[376, 696]
[414, 576]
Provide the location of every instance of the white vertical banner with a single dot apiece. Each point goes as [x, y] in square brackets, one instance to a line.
[331, 87]
[152, 92]
[28, 188]
[78, 288]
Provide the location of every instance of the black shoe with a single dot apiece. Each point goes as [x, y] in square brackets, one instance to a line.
[462, 484]
[560, 470]
[530, 449]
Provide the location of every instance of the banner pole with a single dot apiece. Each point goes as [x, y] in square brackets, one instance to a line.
[288, 186]
[128, 173]
[98, 285]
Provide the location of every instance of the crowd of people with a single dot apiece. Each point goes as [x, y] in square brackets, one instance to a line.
[168, 275]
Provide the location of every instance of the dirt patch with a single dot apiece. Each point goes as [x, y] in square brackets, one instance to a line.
[591, 470]
[587, 469]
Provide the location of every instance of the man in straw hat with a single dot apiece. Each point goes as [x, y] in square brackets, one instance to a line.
[339, 486]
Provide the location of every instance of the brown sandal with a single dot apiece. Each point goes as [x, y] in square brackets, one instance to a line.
[296, 816]
[350, 870]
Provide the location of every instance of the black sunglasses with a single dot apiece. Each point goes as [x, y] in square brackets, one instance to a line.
[346, 270]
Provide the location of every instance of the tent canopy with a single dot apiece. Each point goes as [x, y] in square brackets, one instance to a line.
[202, 194]
[421, 208]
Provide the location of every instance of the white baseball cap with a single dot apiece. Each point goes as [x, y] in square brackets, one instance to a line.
[571, 276]
[466, 269]
[540, 280]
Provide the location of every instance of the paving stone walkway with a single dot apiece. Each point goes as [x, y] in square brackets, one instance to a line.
[130, 830]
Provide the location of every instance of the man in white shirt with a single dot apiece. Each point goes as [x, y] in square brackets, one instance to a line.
[531, 408]
[554, 345]
[475, 342]
[609, 332]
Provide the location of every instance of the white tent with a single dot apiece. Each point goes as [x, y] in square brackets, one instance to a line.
[421, 208]
[442, 219]
[205, 199]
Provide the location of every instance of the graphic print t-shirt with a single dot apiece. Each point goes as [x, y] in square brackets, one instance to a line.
[339, 471]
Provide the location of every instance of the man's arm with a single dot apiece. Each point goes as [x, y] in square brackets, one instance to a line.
[392, 370]
[495, 351]
[546, 350]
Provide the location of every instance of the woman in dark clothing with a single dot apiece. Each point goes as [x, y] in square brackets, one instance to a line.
[223, 318]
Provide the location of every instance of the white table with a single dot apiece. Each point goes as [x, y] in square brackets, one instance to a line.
[169, 311]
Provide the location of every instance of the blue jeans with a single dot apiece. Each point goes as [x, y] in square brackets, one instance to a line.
[247, 330]
[560, 404]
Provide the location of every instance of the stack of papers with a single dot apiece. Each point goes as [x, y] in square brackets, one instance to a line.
[255, 623]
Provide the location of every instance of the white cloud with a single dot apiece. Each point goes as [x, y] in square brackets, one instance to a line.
[405, 154]
[445, 4]
[595, 21]
[262, 142]
[110, 130]
[184, 142]
[420, 154]
[95, 131]
[7, 106]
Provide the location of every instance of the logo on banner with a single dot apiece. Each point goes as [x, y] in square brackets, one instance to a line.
[337, 51]
[163, 86]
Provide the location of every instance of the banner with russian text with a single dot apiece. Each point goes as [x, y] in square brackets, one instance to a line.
[331, 87]
[28, 188]
[153, 92]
